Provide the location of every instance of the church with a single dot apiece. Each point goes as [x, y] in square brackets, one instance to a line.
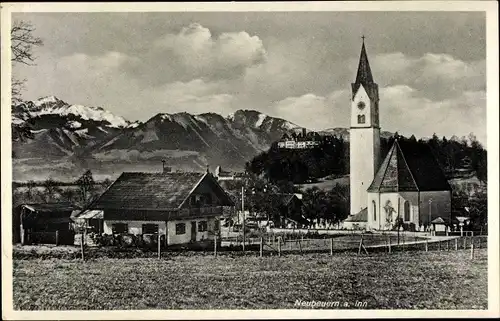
[408, 186]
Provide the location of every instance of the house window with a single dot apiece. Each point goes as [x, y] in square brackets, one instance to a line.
[361, 119]
[149, 228]
[119, 228]
[374, 206]
[180, 228]
[407, 211]
[202, 226]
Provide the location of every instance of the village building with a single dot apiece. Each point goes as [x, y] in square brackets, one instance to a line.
[299, 141]
[223, 175]
[409, 184]
[184, 206]
[44, 223]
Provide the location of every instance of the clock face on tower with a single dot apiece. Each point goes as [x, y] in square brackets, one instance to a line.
[361, 105]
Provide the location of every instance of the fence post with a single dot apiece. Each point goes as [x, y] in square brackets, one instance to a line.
[447, 245]
[426, 245]
[279, 246]
[81, 246]
[456, 244]
[261, 245]
[159, 244]
[215, 246]
[465, 242]
[331, 246]
[57, 237]
[389, 243]
[300, 246]
[439, 246]
[360, 244]
[472, 250]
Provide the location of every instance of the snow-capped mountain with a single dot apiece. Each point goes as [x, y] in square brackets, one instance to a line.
[53, 106]
[76, 135]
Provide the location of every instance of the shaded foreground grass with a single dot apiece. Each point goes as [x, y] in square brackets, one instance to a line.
[409, 280]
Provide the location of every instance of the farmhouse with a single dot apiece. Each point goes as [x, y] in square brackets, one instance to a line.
[48, 223]
[184, 206]
[290, 208]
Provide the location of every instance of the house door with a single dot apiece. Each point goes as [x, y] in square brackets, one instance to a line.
[193, 231]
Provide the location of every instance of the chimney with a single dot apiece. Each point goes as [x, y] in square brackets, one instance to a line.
[208, 168]
[166, 169]
[304, 132]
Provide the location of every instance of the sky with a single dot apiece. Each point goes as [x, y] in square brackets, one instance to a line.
[430, 66]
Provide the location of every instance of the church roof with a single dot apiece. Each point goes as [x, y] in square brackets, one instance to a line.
[364, 76]
[409, 166]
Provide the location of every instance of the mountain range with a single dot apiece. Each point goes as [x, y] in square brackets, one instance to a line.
[67, 139]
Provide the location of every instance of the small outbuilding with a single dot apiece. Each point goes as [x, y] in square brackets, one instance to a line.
[45, 223]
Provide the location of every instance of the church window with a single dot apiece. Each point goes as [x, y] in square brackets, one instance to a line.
[361, 119]
[374, 206]
[407, 211]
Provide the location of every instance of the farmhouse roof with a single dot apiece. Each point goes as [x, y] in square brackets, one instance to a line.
[156, 191]
[52, 207]
[438, 220]
[409, 166]
[361, 216]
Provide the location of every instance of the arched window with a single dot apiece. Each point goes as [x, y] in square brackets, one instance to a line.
[361, 119]
[407, 211]
[374, 206]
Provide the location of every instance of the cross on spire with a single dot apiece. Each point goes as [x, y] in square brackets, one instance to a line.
[363, 37]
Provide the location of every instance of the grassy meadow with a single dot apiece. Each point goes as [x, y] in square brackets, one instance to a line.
[401, 280]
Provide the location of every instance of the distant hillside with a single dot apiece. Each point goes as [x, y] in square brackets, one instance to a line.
[331, 158]
[65, 139]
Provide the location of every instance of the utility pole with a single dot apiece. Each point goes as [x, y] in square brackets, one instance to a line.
[243, 213]
[430, 215]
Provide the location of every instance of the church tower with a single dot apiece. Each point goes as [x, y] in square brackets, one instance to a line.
[364, 134]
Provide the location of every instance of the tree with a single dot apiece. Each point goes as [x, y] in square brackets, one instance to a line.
[86, 184]
[22, 43]
[50, 189]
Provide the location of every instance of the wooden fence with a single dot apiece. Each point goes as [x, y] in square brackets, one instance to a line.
[360, 244]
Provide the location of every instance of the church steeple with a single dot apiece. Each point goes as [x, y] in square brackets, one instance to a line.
[364, 75]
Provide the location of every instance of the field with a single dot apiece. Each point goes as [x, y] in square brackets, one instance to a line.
[401, 280]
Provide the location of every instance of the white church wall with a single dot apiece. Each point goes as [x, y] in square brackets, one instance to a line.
[440, 205]
[412, 198]
[362, 171]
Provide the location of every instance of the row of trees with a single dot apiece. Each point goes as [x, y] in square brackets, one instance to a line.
[83, 191]
[301, 165]
[262, 196]
[332, 158]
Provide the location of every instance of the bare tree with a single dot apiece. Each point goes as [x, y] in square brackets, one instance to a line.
[22, 43]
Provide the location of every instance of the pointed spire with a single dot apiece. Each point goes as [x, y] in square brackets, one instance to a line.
[364, 75]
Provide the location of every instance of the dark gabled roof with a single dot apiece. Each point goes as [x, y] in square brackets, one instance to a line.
[285, 199]
[409, 166]
[364, 76]
[52, 207]
[361, 216]
[155, 191]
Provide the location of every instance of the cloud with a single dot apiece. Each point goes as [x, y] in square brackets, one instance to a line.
[196, 96]
[195, 53]
[441, 76]
[405, 110]
[313, 111]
